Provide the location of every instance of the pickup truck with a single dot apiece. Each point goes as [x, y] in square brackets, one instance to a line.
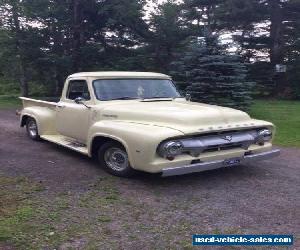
[138, 121]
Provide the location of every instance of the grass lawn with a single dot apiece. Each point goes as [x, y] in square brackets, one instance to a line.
[286, 117]
[9, 102]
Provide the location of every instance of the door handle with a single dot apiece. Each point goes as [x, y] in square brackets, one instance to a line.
[60, 106]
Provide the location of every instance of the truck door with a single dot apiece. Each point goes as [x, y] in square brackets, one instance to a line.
[73, 119]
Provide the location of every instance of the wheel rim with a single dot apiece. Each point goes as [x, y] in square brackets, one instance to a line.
[32, 128]
[116, 159]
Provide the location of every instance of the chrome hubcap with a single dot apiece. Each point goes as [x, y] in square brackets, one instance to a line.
[116, 159]
[32, 128]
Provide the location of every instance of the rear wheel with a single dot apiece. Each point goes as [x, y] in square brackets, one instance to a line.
[114, 158]
[32, 129]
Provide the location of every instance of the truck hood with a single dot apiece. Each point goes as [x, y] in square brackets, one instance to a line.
[186, 117]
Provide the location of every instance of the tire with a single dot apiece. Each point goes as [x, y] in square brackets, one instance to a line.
[32, 129]
[114, 159]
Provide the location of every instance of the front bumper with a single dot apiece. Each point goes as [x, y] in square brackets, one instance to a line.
[203, 166]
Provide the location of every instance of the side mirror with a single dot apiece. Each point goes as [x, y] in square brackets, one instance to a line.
[79, 100]
[188, 97]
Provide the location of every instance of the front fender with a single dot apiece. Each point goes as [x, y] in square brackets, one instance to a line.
[139, 140]
[45, 118]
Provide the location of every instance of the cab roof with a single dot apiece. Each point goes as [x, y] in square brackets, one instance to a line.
[120, 74]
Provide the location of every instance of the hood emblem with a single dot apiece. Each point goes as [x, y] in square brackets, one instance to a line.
[110, 116]
[227, 137]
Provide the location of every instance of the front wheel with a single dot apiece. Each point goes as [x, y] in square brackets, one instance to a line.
[114, 158]
[32, 129]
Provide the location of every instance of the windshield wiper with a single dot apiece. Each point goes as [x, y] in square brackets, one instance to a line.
[124, 98]
[162, 97]
[157, 97]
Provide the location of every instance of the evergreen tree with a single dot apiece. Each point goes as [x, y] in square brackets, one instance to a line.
[168, 31]
[213, 76]
[41, 42]
[266, 30]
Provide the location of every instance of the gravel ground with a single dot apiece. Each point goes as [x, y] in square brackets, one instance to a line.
[83, 207]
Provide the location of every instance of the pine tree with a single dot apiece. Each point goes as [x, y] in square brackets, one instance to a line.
[213, 76]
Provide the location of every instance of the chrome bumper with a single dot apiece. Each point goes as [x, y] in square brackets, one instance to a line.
[203, 166]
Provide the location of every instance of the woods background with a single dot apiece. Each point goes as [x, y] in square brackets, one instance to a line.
[221, 51]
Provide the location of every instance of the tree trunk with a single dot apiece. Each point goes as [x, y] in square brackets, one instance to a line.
[281, 88]
[59, 83]
[18, 34]
[23, 81]
[77, 34]
[276, 36]
[20, 61]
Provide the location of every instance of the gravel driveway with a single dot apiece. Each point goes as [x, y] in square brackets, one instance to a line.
[83, 207]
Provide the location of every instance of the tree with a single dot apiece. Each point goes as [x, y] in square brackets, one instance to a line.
[55, 38]
[214, 77]
[13, 38]
[169, 31]
[41, 42]
[201, 15]
[265, 31]
[292, 52]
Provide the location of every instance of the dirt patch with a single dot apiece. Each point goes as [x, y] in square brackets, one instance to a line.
[73, 203]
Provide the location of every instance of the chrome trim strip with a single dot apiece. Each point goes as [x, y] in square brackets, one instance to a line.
[203, 166]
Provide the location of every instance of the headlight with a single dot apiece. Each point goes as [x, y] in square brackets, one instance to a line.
[170, 149]
[263, 135]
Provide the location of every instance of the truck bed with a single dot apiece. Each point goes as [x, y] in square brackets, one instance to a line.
[45, 110]
[28, 102]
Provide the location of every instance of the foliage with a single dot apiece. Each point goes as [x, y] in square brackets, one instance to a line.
[8, 86]
[293, 75]
[9, 102]
[41, 42]
[214, 76]
[169, 32]
[55, 38]
[262, 73]
[266, 31]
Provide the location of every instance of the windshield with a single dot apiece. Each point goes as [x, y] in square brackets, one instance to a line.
[126, 89]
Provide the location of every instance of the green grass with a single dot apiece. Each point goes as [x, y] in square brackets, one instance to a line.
[29, 219]
[33, 216]
[16, 211]
[286, 117]
[9, 102]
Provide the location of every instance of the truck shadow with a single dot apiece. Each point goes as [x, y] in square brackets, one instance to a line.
[228, 174]
[221, 174]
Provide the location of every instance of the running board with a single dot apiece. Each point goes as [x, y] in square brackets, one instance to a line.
[67, 142]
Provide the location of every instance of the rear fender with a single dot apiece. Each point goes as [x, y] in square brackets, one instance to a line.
[44, 117]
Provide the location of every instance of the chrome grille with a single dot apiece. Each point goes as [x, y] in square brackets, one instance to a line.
[213, 142]
[219, 141]
[223, 147]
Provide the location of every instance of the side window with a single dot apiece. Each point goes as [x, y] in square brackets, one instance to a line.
[78, 88]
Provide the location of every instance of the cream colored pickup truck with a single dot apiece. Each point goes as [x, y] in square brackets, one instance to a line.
[138, 121]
